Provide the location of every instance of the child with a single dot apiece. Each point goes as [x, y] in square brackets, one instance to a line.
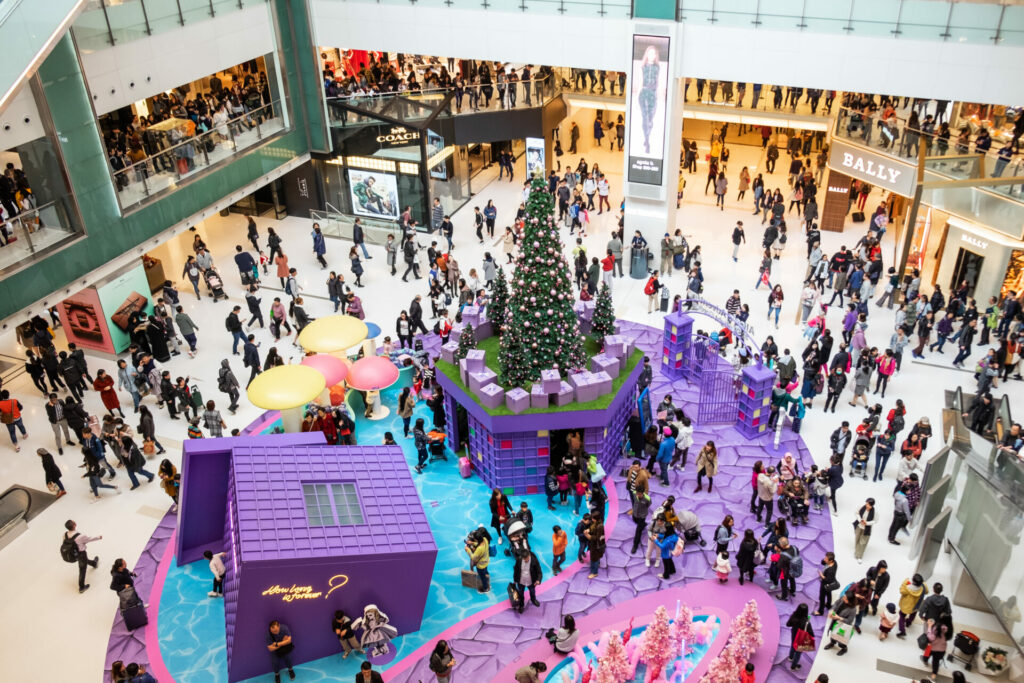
[263, 261]
[218, 570]
[722, 566]
[559, 541]
[526, 516]
[820, 490]
[747, 675]
[388, 347]
[389, 439]
[194, 432]
[563, 486]
[887, 621]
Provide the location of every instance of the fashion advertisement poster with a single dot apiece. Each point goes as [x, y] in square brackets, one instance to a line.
[648, 100]
[81, 316]
[121, 298]
[374, 194]
[435, 145]
[534, 157]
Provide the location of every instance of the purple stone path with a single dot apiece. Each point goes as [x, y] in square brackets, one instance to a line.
[130, 646]
[484, 648]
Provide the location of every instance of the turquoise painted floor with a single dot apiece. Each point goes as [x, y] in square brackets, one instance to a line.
[191, 625]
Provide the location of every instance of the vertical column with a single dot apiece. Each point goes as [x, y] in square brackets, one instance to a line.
[653, 131]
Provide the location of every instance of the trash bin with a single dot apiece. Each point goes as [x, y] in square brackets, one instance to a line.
[638, 263]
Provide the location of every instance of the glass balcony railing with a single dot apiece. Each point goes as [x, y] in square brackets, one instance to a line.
[34, 233]
[940, 20]
[888, 134]
[176, 163]
[111, 22]
[756, 97]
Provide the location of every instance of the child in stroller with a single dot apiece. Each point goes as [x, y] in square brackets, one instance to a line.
[435, 445]
[859, 457]
[215, 284]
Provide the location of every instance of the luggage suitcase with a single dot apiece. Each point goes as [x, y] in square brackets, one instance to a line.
[664, 299]
[470, 579]
[465, 467]
[858, 216]
[135, 616]
[965, 648]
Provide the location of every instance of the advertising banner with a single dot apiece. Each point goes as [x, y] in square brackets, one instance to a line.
[374, 194]
[648, 102]
[435, 145]
[81, 315]
[120, 298]
[877, 169]
[534, 157]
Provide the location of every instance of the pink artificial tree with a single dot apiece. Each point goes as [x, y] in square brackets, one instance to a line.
[682, 631]
[744, 639]
[657, 648]
[614, 666]
[746, 629]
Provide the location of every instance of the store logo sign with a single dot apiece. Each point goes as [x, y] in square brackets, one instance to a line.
[295, 593]
[840, 190]
[974, 241]
[877, 169]
[398, 136]
[880, 171]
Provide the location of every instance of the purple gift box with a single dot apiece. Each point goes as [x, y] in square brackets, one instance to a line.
[475, 360]
[603, 381]
[457, 328]
[478, 380]
[551, 380]
[615, 346]
[564, 395]
[538, 397]
[609, 364]
[517, 400]
[491, 395]
[448, 351]
[471, 316]
[586, 388]
[588, 309]
[578, 379]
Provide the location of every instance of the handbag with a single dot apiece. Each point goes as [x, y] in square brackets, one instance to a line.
[841, 632]
[52, 487]
[804, 641]
[148, 447]
[923, 642]
[758, 557]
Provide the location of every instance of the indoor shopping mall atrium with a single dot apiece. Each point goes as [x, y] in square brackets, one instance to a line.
[575, 424]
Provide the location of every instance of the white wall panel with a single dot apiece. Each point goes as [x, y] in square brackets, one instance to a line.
[19, 121]
[134, 70]
[941, 70]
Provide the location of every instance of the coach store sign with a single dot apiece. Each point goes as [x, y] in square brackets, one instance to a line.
[877, 169]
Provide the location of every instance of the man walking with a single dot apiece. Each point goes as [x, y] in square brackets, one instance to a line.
[359, 238]
[96, 446]
[251, 358]
[245, 263]
[319, 246]
[641, 507]
[78, 355]
[74, 547]
[10, 409]
[58, 422]
[436, 215]
[234, 326]
[416, 315]
[188, 328]
[228, 383]
[738, 236]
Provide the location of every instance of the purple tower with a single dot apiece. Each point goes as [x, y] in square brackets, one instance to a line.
[754, 399]
[675, 349]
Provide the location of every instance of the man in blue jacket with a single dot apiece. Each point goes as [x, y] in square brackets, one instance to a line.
[665, 452]
[319, 247]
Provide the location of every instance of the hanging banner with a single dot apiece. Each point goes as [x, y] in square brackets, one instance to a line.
[877, 169]
[648, 102]
[534, 157]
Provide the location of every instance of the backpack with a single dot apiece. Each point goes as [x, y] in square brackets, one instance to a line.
[796, 565]
[649, 287]
[782, 238]
[69, 549]
[222, 382]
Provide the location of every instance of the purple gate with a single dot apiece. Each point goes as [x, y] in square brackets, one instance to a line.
[718, 398]
[703, 352]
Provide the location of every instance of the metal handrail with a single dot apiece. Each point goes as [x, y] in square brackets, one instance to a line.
[230, 124]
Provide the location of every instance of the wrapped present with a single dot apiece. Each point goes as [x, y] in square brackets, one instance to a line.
[551, 380]
[475, 360]
[564, 395]
[491, 395]
[517, 400]
[602, 362]
[538, 396]
[478, 380]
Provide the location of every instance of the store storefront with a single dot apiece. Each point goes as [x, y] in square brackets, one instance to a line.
[989, 262]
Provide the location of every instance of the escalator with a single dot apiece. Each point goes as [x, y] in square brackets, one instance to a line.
[18, 506]
[29, 30]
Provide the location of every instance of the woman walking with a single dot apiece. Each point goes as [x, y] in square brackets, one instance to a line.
[104, 384]
[406, 404]
[721, 187]
[744, 183]
[862, 529]
[799, 624]
[501, 509]
[724, 534]
[707, 465]
[775, 298]
[596, 542]
[51, 472]
[357, 266]
[745, 556]
[148, 429]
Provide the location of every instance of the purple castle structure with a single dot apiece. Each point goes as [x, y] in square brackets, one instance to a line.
[308, 528]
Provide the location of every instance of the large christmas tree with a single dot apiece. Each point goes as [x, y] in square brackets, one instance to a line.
[540, 331]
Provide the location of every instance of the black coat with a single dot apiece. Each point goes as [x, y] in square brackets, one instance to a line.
[50, 469]
[494, 510]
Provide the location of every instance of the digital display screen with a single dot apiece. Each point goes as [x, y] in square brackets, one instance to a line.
[648, 101]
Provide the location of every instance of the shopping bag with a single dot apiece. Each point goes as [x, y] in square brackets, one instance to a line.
[841, 632]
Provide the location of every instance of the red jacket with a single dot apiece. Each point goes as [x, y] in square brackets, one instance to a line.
[607, 263]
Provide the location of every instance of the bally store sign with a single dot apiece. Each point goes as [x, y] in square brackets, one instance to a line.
[876, 169]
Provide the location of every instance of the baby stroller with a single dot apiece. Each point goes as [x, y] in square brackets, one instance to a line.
[965, 648]
[435, 445]
[215, 284]
[859, 457]
[689, 523]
